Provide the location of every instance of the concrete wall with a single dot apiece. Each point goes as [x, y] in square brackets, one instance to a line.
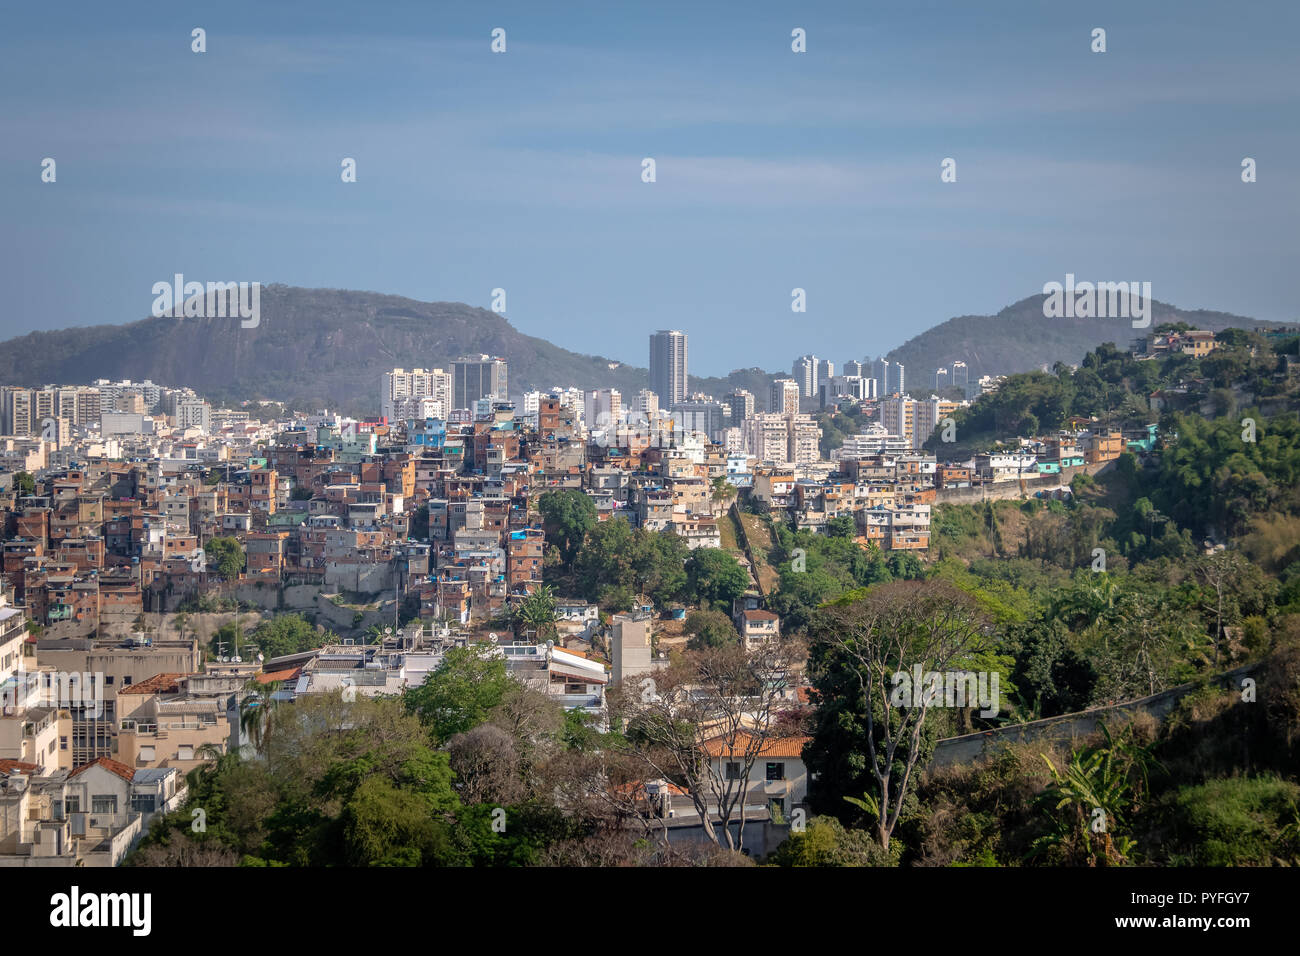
[971, 747]
[1011, 490]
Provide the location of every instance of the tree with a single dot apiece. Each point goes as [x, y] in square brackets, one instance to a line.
[659, 565]
[720, 492]
[458, 695]
[1087, 803]
[287, 634]
[257, 712]
[704, 721]
[226, 556]
[24, 483]
[605, 562]
[1222, 572]
[867, 737]
[536, 613]
[567, 516]
[487, 766]
[713, 576]
[709, 629]
[842, 526]
[826, 842]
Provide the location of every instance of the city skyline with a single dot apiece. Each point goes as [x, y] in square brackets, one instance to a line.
[763, 186]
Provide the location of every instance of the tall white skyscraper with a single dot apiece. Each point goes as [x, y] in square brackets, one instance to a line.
[400, 384]
[804, 371]
[668, 368]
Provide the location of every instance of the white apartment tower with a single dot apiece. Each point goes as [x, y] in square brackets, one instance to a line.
[668, 366]
[400, 384]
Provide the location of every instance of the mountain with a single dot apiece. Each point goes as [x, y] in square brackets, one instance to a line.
[313, 348]
[1020, 339]
[317, 348]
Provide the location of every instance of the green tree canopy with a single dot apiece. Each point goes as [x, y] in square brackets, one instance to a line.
[459, 694]
[225, 556]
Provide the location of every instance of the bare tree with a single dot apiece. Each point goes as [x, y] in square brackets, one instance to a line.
[702, 723]
[487, 766]
[1221, 572]
[890, 629]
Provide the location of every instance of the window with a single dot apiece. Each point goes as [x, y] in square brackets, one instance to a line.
[147, 753]
[103, 803]
[776, 771]
[63, 743]
[143, 803]
[126, 680]
[72, 804]
[733, 770]
[184, 753]
[108, 680]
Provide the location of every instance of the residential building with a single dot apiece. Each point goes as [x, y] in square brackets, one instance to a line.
[668, 366]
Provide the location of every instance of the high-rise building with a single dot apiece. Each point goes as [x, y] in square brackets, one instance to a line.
[194, 414]
[766, 436]
[895, 383]
[852, 386]
[668, 369]
[701, 415]
[880, 372]
[930, 414]
[852, 367]
[804, 372]
[477, 376]
[960, 378]
[603, 408]
[788, 439]
[825, 370]
[741, 403]
[940, 379]
[646, 404]
[400, 384]
[783, 398]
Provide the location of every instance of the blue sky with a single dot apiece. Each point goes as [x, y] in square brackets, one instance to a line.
[775, 170]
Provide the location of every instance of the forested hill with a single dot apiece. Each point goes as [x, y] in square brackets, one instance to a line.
[1020, 339]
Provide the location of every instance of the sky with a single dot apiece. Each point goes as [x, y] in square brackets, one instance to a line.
[775, 170]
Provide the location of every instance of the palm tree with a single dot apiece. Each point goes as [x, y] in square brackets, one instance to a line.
[537, 612]
[257, 711]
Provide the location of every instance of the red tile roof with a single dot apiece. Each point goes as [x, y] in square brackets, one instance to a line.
[158, 684]
[17, 766]
[773, 747]
[269, 677]
[112, 766]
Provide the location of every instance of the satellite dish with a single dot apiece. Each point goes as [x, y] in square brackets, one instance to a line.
[237, 660]
[492, 638]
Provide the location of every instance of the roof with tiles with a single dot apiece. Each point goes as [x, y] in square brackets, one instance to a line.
[112, 766]
[158, 684]
[776, 747]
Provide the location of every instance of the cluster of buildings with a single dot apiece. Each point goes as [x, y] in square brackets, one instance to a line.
[432, 502]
